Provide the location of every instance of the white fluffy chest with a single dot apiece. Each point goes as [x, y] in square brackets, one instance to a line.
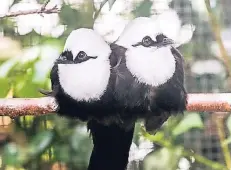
[151, 66]
[85, 81]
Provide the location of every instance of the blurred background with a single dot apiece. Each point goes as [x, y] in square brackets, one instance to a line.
[29, 45]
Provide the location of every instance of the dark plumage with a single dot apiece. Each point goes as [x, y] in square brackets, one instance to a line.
[141, 99]
[111, 146]
[84, 110]
[140, 76]
[154, 104]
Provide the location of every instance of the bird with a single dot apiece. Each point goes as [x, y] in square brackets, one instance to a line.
[83, 86]
[149, 73]
[80, 76]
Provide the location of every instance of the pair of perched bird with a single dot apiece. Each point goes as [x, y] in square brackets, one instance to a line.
[139, 76]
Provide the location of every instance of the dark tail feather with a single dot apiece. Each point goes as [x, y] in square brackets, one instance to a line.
[154, 123]
[46, 92]
[111, 146]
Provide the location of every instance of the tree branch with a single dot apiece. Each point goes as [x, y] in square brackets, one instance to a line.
[222, 136]
[214, 102]
[217, 33]
[45, 4]
[97, 12]
[42, 10]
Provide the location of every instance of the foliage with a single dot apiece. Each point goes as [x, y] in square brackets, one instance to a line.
[143, 9]
[171, 151]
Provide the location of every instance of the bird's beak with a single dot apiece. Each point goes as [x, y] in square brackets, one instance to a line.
[165, 42]
[93, 57]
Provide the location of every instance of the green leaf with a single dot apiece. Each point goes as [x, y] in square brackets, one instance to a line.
[11, 155]
[26, 88]
[7, 66]
[163, 159]
[76, 18]
[111, 3]
[191, 120]
[228, 123]
[4, 86]
[75, 139]
[62, 153]
[172, 122]
[40, 142]
[143, 9]
[157, 137]
[227, 141]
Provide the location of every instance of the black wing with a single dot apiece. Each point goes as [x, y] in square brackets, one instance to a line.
[171, 98]
[180, 77]
[116, 55]
[172, 95]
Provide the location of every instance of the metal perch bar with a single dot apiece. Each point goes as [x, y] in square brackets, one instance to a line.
[15, 107]
[210, 102]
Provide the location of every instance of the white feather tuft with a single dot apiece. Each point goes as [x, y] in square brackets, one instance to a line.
[185, 34]
[169, 23]
[151, 66]
[136, 29]
[89, 41]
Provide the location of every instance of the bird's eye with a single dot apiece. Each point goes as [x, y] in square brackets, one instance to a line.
[147, 41]
[81, 55]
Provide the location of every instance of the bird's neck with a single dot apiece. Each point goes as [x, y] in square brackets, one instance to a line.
[151, 66]
[92, 78]
[111, 147]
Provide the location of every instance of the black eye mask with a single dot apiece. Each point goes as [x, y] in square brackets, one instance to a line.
[66, 57]
[82, 56]
[161, 41]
